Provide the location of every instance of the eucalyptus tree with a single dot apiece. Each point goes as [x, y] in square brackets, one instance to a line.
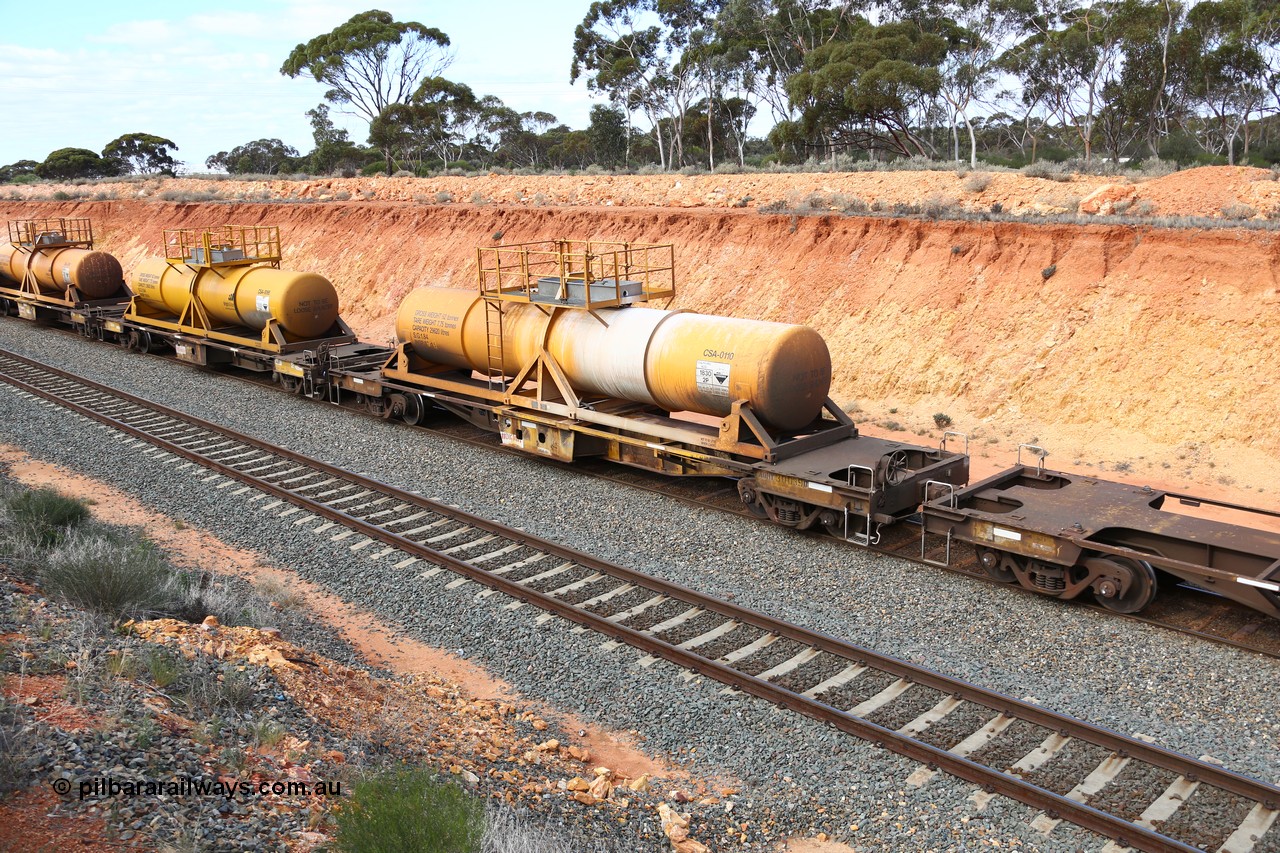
[609, 136]
[1073, 52]
[260, 157]
[651, 56]
[334, 148]
[454, 115]
[1231, 67]
[869, 90]
[771, 38]
[68, 163]
[371, 61]
[1149, 96]
[621, 55]
[141, 153]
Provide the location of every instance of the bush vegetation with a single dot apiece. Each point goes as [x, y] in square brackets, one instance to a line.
[409, 810]
[113, 571]
[17, 757]
[44, 517]
[110, 572]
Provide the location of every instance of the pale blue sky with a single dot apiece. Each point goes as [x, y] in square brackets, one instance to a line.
[207, 76]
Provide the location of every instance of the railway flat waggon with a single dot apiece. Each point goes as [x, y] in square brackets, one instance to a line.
[1067, 534]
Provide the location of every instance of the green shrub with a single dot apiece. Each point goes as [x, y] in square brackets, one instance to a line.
[145, 732]
[942, 419]
[1238, 211]
[1048, 170]
[208, 688]
[108, 571]
[43, 517]
[409, 810]
[164, 667]
[190, 597]
[268, 732]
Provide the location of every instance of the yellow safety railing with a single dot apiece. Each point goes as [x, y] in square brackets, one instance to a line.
[36, 233]
[226, 244]
[605, 273]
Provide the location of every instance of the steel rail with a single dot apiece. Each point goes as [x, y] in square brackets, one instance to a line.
[993, 780]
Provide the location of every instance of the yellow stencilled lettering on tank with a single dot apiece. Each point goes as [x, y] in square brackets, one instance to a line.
[434, 322]
[147, 278]
[717, 355]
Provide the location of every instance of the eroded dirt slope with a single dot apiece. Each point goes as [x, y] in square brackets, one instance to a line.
[1204, 192]
[1142, 350]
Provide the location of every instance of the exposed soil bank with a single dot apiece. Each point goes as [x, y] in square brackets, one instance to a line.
[1148, 349]
[1242, 191]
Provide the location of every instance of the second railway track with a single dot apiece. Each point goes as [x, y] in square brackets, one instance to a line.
[1120, 787]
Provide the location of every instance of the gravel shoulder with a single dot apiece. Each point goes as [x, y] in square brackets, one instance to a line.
[1192, 696]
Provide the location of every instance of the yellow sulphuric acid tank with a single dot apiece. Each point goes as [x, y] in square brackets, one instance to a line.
[677, 360]
[304, 304]
[97, 275]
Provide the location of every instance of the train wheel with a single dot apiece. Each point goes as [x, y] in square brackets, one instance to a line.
[140, 340]
[996, 564]
[413, 410]
[834, 523]
[1113, 572]
[751, 498]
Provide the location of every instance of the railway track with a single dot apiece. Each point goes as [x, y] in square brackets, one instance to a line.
[1124, 789]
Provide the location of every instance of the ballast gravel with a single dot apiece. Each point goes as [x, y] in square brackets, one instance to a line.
[1191, 695]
